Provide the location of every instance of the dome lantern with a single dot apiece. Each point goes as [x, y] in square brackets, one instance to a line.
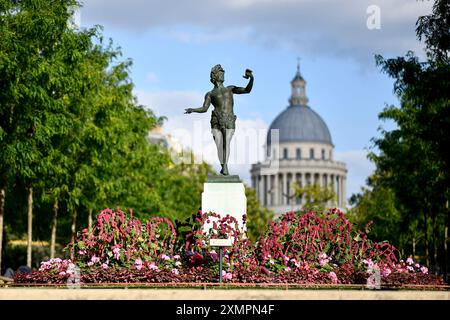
[298, 95]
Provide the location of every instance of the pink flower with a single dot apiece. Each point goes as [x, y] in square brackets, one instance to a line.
[165, 257]
[424, 270]
[62, 273]
[287, 269]
[105, 265]
[153, 266]
[410, 268]
[227, 275]
[417, 266]
[95, 259]
[82, 252]
[409, 261]
[70, 268]
[175, 271]
[85, 230]
[368, 262]
[138, 264]
[386, 272]
[271, 261]
[116, 252]
[295, 262]
[333, 277]
[323, 259]
[176, 257]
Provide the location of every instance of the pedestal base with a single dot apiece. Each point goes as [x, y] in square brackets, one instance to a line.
[225, 195]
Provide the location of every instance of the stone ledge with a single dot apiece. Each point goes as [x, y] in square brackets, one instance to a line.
[217, 294]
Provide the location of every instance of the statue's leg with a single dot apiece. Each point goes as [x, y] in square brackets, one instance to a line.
[218, 139]
[228, 134]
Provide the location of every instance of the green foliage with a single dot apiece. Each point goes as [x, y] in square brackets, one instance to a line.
[315, 197]
[411, 185]
[258, 217]
[378, 203]
[71, 127]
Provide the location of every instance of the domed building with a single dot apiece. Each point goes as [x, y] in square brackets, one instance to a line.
[299, 149]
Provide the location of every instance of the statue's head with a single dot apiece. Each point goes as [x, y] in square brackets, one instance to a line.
[217, 74]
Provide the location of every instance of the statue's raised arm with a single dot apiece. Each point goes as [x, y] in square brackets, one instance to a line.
[239, 90]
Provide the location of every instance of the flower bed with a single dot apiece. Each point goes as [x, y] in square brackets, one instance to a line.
[298, 248]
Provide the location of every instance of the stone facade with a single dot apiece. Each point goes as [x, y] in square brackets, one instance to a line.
[301, 156]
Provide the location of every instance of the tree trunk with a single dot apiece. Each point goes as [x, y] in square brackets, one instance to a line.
[414, 246]
[2, 210]
[90, 219]
[435, 245]
[73, 228]
[446, 239]
[427, 253]
[30, 226]
[54, 224]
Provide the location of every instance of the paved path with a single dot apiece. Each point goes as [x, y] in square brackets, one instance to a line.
[215, 294]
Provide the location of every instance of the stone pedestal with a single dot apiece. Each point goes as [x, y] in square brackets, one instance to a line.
[224, 195]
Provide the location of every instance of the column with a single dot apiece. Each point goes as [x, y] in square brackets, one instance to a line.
[275, 190]
[338, 191]
[257, 186]
[289, 188]
[280, 189]
[344, 186]
[269, 190]
[260, 189]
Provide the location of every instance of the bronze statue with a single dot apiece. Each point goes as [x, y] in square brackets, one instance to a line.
[222, 118]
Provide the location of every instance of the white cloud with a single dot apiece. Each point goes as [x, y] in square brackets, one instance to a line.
[171, 102]
[324, 27]
[241, 34]
[359, 168]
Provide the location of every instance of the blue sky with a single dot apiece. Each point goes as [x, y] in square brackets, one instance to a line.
[174, 44]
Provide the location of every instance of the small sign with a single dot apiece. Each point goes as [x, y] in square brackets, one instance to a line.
[220, 242]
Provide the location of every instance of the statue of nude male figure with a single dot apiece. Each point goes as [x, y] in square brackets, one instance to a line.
[222, 118]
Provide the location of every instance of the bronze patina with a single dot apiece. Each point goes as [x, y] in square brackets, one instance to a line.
[223, 119]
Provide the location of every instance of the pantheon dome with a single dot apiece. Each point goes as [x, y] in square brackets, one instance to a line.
[299, 149]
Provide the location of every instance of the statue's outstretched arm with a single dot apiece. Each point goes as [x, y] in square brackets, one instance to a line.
[203, 109]
[248, 88]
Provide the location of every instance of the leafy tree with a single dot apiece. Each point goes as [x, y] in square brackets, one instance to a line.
[315, 196]
[378, 203]
[258, 217]
[413, 159]
[31, 74]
